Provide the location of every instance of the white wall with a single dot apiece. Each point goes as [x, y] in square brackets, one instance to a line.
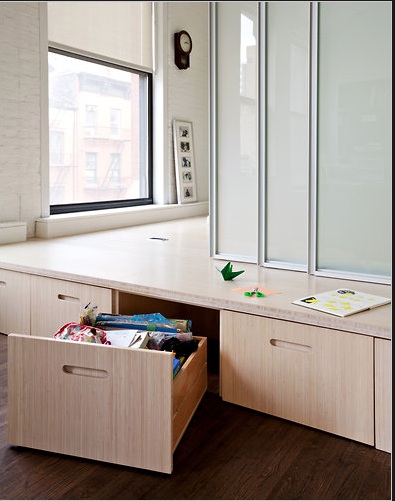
[181, 94]
[20, 133]
[188, 90]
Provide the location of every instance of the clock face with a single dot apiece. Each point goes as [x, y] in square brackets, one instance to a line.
[185, 42]
[182, 49]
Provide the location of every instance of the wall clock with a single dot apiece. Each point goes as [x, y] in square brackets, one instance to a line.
[182, 49]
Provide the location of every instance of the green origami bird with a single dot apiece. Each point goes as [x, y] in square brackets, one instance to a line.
[228, 273]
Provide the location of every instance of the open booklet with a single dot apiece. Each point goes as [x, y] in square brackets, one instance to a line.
[128, 338]
[342, 302]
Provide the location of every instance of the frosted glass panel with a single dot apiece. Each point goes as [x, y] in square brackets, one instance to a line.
[287, 132]
[237, 129]
[354, 137]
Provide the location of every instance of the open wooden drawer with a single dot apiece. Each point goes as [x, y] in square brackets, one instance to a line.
[101, 402]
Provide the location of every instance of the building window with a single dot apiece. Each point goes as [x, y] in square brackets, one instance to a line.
[115, 167]
[101, 108]
[90, 120]
[115, 121]
[91, 168]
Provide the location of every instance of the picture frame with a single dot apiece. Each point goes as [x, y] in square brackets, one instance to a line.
[184, 158]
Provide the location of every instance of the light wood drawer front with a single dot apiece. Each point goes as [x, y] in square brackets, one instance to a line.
[14, 302]
[383, 394]
[57, 302]
[314, 376]
[100, 402]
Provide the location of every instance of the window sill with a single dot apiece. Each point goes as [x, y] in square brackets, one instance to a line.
[85, 222]
[12, 232]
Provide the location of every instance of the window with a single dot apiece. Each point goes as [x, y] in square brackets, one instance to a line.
[115, 167]
[90, 120]
[115, 121]
[91, 168]
[98, 113]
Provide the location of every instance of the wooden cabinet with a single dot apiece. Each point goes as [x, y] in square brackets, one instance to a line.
[383, 394]
[14, 302]
[57, 302]
[101, 402]
[314, 376]
[312, 368]
[332, 380]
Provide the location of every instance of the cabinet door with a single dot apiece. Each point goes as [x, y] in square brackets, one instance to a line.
[314, 376]
[14, 302]
[57, 302]
[383, 394]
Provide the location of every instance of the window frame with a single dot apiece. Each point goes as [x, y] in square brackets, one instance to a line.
[148, 118]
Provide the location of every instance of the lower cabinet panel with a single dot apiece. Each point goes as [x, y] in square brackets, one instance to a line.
[383, 394]
[317, 377]
[14, 302]
[57, 302]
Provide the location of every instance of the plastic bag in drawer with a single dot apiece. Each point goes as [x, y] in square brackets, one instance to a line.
[73, 331]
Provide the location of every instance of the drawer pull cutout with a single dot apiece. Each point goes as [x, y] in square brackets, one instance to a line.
[63, 297]
[291, 346]
[2, 284]
[84, 371]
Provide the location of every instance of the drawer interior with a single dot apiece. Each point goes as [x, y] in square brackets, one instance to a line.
[205, 321]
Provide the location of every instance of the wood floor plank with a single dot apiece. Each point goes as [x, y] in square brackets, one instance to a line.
[228, 452]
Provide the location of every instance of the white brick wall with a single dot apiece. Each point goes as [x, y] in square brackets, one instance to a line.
[20, 175]
[188, 90]
[20, 86]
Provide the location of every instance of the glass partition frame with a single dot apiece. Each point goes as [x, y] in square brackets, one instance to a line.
[235, 146]
[314, 265]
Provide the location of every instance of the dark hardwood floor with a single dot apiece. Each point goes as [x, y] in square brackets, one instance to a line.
[227, 452]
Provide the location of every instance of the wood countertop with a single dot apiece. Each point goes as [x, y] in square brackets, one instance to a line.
[170, 260]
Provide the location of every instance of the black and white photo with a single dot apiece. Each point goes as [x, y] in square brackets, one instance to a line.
[184, 162]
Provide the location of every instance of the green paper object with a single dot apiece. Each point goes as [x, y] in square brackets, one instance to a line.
[228, 273]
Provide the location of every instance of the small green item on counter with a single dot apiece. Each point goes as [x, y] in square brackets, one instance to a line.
[228, 273]
[254, 291]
